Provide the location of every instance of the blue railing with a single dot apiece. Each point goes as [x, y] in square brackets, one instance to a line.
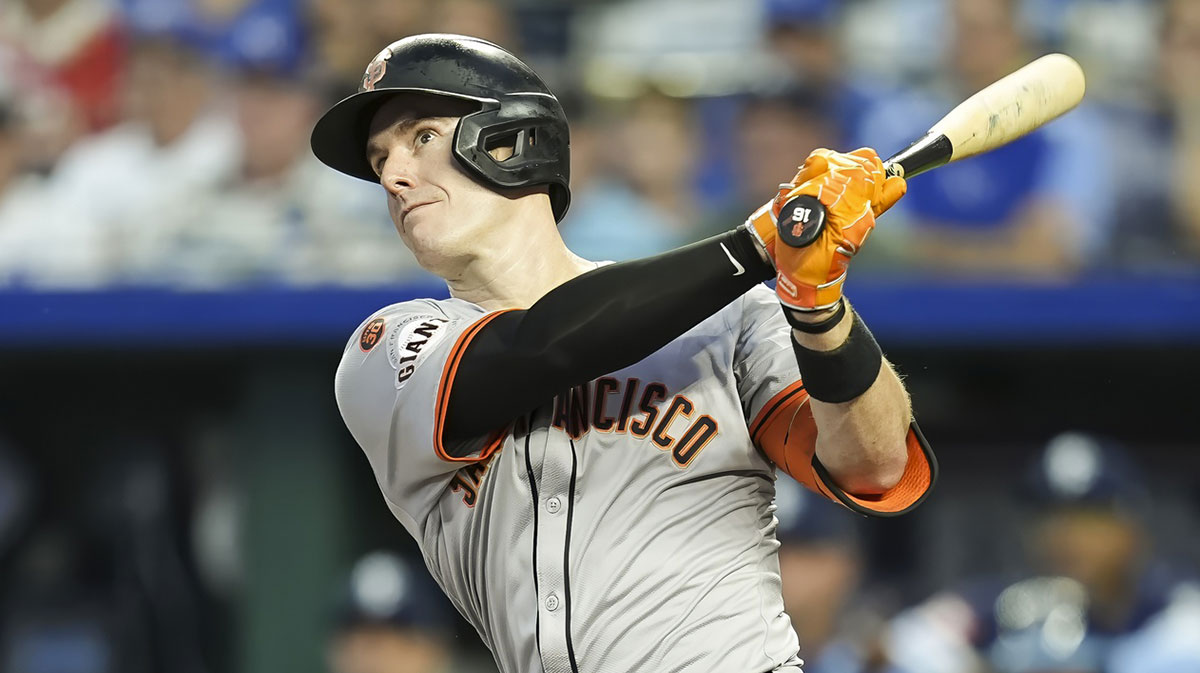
[1095, 311]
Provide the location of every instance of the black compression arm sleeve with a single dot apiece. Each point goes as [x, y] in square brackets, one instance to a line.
[602, 321]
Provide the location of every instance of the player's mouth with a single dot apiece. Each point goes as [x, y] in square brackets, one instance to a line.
[409, 208]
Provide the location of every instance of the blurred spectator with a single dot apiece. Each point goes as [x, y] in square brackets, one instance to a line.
[32, 246]
[347, 34]
[644, 203]
[60, 612]
[338, 48]
[480, 18]
[898, 42]
[18, 199]
[75, 45]
[390, 21]
[393, 619]
[704, 52]
[1157, 205]
[225, 30]
[683, 48]
[821, 566]
[16, 494]
[101, 579]
[107, 194]
[804, 36]
[1181, 77]
[1097, 601]
[774, 135]
[1038, 207]
[278, 215]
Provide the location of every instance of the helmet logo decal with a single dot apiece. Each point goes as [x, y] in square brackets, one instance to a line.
[375, 70]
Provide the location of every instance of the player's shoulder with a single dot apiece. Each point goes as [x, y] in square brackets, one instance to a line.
[394, 318]
[403, 335]
[387, 349]
[449, 308]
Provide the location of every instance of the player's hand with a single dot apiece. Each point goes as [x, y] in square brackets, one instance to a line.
[855, 189]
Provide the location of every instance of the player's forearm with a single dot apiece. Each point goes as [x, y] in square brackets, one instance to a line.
[861, 440]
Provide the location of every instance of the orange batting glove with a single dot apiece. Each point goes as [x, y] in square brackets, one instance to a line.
[850, 191]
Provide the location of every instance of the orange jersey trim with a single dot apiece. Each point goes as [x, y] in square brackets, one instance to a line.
[784, 399]
[786, 432]
[443, 397]
[920, 473]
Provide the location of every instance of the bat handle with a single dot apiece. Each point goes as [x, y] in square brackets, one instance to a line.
[928, 152]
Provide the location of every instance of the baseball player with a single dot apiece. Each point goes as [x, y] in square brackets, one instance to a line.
[586, 452]
[1094, 597]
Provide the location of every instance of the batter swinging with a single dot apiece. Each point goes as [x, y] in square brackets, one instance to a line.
[586, 453]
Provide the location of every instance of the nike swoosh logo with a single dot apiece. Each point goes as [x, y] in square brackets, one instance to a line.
[740, 269]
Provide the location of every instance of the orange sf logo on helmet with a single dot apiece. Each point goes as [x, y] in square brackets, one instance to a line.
[375, 70]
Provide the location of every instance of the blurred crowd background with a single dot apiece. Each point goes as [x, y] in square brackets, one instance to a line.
[163, 142]
[201, 509]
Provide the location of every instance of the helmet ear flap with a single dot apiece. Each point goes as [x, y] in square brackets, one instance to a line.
[538, 136]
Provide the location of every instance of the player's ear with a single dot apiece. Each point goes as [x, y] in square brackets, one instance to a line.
[502, 148]
[501, 153]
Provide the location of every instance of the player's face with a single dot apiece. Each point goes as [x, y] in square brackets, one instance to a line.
[384, 650]
[818, 581]
[1096, 547]
[443, 215]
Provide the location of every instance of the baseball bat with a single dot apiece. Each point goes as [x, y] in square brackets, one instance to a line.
[996, 115]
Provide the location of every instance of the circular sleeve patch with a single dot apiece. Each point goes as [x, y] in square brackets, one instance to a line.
[372, 334]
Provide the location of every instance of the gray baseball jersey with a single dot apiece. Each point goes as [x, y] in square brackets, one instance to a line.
[625, 525]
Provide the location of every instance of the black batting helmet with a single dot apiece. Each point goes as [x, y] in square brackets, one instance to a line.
[516, 108]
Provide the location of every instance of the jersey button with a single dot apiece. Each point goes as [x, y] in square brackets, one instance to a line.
[552, 602]
[553, 505]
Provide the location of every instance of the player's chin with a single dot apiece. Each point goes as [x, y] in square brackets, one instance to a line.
[419, 217]
[432, 243]
[417, 228]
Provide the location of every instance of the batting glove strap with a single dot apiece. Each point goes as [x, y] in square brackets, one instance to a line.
[820, 327]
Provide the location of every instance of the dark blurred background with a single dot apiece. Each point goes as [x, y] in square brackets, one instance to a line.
[178, 276]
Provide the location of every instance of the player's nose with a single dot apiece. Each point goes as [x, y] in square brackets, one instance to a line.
[398, 175]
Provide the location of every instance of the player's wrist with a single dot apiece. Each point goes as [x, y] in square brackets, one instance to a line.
[747, 248]
[760, 244]
[822, 335]
[816, 320]
[838, 365]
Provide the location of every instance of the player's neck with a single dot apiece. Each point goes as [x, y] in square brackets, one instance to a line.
[520, 272]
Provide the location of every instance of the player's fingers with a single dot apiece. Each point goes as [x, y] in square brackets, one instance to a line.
[867, 154]
[879, 174]
[843, 161]
[830, 194]
[815, 165]
[855, 233]
[856, 179]
[878, 177]
[893, 189]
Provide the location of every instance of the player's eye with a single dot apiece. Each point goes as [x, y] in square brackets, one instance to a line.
[425, 137]
[378, 166]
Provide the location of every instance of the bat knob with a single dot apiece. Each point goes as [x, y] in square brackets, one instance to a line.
[801, 221]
